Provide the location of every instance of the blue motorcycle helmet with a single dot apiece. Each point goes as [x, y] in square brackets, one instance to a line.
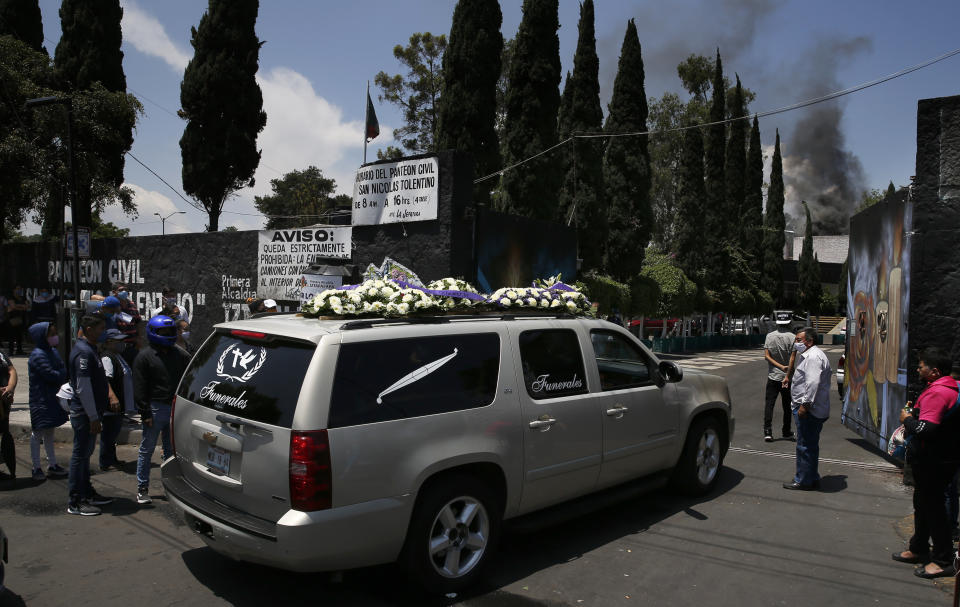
[162, 330]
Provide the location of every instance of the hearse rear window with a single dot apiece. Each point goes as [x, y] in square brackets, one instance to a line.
[252, 379]
[398, 378]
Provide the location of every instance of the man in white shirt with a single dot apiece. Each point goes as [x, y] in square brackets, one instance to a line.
[810, 393]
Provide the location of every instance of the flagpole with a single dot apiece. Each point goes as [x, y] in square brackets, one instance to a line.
[366, 119]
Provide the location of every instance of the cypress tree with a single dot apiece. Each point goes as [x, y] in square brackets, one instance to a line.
[468, 102]
[626, 168]
[691, 201]
[808, 270]
[774, 224]
[716, 221]
[89, 53]
[751, 236]
[222, 104]
[22, 20]
[581, 197]
[532, 100]
[891, 190]
[735, 162]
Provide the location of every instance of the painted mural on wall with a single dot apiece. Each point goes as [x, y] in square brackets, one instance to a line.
[878, 295]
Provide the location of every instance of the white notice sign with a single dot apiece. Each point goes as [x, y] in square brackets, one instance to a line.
[284, 255]
[396, 192]
[312, 284]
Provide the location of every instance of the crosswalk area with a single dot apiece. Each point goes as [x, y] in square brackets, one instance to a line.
[709, 361]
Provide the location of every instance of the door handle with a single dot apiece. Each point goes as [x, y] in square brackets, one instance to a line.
[617, 411]
[543, 422]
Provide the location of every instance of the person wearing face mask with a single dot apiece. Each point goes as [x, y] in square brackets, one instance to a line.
[43, 308]
[128, 322]
[183, 337]
[810, 396]
[47, 372]
[120, 396]
[931, 455]
[169, 307]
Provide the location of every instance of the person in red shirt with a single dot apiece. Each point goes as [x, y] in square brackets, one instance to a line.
[929, 456]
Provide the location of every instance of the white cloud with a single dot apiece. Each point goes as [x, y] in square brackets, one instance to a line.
[148, 36]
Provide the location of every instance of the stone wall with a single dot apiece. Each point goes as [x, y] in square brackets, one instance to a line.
[934, 316]
[215, 272]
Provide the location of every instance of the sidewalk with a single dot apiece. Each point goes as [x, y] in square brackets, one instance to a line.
[130, 433]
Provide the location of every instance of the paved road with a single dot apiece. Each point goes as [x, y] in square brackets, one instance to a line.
[749, 543]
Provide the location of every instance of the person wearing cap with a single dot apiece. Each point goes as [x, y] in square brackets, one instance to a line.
[120, 396]
[129, 321]
[255, 305]
[778, 350]
[109, 309]
[269, 306]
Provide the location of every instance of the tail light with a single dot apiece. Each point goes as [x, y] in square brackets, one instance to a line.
[840, 363]
[311, 482]
[173, 442]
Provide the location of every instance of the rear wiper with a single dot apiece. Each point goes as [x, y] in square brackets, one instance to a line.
[236, 421]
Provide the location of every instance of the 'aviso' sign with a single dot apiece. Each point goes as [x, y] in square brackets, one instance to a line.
[396, 192]
[284, 255]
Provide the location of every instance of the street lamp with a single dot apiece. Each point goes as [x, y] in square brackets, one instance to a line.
[78, 215]
[163, 220]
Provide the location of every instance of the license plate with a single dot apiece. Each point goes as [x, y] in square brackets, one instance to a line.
[218, 460]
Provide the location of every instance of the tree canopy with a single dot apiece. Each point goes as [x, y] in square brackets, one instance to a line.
[774, 223]
[809, 289]
[22, 20]
[222, 104]
[416, 93]
[300, 198]
[471, 70]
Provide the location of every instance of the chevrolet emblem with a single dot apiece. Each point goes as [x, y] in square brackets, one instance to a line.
[210, 437]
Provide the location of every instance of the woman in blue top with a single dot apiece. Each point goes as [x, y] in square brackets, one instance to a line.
[47, 373]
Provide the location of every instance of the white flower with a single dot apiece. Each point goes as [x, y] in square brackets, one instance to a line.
[372, 292]
[403, 308]
[386, 291]
[334, 301]
[511, 294]
[355, 297]
[505, 302]
[571, 305]
[351, 309]
[531, 302]
[366, 306]
[337, 309]
[407, 298]
[555, 303]
[379, 284]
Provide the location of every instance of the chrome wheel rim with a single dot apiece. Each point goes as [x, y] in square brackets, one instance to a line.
[708, 456]
[458, 537]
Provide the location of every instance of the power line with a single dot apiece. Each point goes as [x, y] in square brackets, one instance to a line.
[788, 108]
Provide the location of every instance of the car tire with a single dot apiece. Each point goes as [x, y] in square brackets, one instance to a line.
[702, 458]
[454, 529]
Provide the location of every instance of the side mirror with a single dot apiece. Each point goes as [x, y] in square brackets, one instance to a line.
[670, 371]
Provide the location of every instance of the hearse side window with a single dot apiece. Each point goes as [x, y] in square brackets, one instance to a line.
[620, 362]
[390, 379]
[552, 363]
[252, 379]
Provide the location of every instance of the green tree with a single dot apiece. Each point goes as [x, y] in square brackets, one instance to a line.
[872, 197]
[22, 20]
[716, 222]
[689, 243]
[626, 164]
[531, 102]
[416, 94]
[468, 102]
[222, 104]
[735, 168]
[677, 293]
[103, 229]
[299, 198]
[696, 72]
[506, 57]
[809, 289]
[582, 200]
[774, 224]
[751, 217]
[89, 53]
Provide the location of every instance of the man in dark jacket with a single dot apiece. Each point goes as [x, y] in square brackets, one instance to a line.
[88, 404]
[156, 372]
[47, 372]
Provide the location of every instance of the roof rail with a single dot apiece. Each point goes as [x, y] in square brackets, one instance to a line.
[366, 323]
[266, 314]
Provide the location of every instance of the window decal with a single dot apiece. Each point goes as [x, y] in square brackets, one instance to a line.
[415, 375]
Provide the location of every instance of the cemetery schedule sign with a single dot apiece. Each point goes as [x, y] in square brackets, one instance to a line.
[396, 192]
[283, 256]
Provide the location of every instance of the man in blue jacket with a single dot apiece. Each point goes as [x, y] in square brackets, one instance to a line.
[89, 402]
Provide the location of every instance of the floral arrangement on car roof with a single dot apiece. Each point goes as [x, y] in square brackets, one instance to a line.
[391, 298]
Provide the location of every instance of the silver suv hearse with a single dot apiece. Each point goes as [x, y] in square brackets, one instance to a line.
[314, 445]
